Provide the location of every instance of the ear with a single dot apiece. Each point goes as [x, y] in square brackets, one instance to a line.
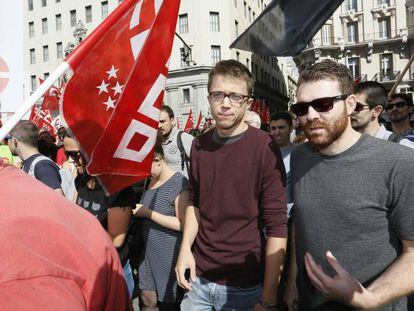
[249, 103]
[377, 110]
[350, 104]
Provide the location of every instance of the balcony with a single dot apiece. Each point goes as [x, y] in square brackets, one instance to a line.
[386, 76]
[383, 7]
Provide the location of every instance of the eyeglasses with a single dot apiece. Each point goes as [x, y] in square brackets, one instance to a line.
[320, 105]
[235, 98]
[7, 137]
[74, 155]
[398, 105]
[360, 106]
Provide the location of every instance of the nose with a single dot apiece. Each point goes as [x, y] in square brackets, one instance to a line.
[226, 102]
[312, 114]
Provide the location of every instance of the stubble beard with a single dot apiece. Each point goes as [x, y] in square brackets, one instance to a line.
[332, 130]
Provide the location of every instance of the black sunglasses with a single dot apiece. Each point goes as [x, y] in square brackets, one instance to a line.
[74, 155]
[360, 106]
[320, 105]
[398, 105]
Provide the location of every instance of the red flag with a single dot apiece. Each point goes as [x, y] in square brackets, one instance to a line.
[51, 98]
[255, 106]
[189, 124]
[264, 113]
[112, 102]
[200, 118]
[42, 118]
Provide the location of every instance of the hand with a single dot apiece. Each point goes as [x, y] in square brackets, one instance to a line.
[291, 295]
[343, 287]
[185, 261]
[141, 211]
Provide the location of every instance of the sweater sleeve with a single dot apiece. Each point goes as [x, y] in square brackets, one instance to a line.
[273, 199]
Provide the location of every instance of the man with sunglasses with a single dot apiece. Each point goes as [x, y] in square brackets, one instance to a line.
[371, 97]
[399, 110]
[24, 143]
[236, 185]
[353, 204]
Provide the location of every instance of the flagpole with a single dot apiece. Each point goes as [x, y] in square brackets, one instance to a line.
[19, 114]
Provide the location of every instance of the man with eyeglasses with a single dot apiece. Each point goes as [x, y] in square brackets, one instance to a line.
[371, 97]
[236, 186]
[399, 110]
[24, 143]
[353, 204]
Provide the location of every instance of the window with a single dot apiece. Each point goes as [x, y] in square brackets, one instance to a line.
[386, 67]
[88, 13]
[46, 75]
[45, 53]
[384, 28]
[250, 15]
[119, 1]
[44, 26]
[31, 30]
[238, 56]
[73, 18]
[248, 63]
[254, 15]
[58, 20]
[353, 65]
[262, 5]
[236, 28]
[380, 2]
[352, 32]
[183, 23]
[186, 95]
[32, 53]
[33, 83]
[57, 1]
[215, 54]
[44, 3]
[104, 5]
[235, 3]
[214, 21]
[59, 50]
[352, 5]
[245, 9]
[30, 5]
[326, 32]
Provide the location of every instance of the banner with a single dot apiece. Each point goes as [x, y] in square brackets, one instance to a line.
[112, 102]
[11, 55]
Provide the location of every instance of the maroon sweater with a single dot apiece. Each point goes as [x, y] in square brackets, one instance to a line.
[237, 187]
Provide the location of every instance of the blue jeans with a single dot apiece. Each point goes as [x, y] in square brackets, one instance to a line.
[207, 296]
[129, 278]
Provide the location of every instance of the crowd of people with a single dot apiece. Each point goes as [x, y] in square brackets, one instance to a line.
[311, 212]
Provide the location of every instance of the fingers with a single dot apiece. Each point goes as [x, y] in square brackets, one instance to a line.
[180, 274]
[335, 263]
[192, 271]
[311, 267]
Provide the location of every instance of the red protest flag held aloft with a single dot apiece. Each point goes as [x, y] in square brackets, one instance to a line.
[51, 98]
[189, 124]
[200, 118]
[112, 103]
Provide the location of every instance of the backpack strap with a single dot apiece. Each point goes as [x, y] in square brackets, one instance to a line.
[395, 138]
[40, 158]
[184, 157]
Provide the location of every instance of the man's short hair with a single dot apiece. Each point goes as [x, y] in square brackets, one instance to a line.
[375, 93]
[329, 70]
[168, 110]
[282, 115]
[405, 97]
[26, 132]
[232, 69]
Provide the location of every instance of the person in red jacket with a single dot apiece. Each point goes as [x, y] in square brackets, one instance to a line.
[54, 256]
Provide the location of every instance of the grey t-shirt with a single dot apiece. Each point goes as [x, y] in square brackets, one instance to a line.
[358, 204]
[171, 152]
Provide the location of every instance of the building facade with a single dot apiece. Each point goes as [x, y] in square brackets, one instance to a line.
[205, 30]
[370, 37]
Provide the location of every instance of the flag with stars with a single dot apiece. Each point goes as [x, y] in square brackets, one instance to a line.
[112, 102]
